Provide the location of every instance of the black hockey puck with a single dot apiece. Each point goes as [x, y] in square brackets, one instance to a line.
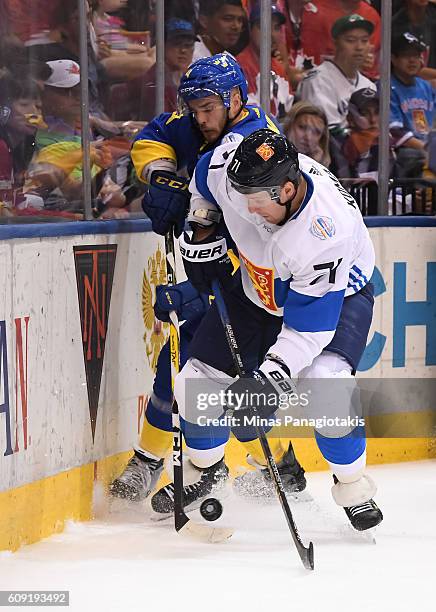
[211, 509]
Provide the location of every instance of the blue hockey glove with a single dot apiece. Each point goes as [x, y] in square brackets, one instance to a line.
[166, 202]
[183, 298]
[207, 260]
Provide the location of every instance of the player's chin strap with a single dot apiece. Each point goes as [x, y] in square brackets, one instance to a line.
[241, 108]
[288, 203]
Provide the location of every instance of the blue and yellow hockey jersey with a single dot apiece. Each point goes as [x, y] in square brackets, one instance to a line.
[175, 137]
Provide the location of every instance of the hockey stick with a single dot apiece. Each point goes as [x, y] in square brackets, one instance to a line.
[306, 554]
[182, 523]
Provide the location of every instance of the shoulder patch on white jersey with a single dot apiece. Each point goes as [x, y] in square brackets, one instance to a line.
[322, 227]
[229, 138]
[309, 75]
[313, 170]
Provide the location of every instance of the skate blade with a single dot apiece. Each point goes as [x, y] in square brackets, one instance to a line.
[369, 535]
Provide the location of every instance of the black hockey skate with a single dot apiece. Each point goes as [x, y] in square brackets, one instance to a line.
[259, 484]
[138, 479]
[364, 516]
[209, 480]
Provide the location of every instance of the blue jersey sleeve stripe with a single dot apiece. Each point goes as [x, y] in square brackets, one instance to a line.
[201, 173]
[306, 313]
[356, 280]
[359, 273]
[354, 285]
[281, 288]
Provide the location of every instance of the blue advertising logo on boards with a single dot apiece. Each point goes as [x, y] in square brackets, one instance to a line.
[405, 313]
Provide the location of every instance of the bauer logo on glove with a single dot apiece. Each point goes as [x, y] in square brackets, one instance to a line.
[201, 252]
[207, 260]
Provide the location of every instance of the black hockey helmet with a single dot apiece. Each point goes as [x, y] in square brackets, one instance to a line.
[264, 161]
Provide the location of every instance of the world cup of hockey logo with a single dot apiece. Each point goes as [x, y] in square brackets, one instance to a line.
[156, 332]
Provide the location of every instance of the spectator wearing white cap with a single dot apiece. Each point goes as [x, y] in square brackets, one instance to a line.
[57, 164]
[61, 100]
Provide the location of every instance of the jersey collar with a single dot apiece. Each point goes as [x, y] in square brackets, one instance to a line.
[305, 202]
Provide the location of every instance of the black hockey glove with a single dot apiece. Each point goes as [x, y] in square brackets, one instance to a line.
[207, 260]
[260, 393]
[166, 202]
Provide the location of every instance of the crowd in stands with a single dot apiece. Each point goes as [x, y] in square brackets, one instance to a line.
[325, 70]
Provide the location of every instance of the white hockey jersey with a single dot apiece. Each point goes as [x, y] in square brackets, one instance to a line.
[301, 270]
[328, 88]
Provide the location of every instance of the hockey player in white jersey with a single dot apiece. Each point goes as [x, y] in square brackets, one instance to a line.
[305, 301]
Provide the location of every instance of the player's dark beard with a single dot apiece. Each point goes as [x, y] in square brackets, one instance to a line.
[229, 120]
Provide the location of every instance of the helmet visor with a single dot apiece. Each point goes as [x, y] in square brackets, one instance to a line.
[258, 200]
[272, 193]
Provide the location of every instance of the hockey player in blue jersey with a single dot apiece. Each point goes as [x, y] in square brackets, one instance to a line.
[213, 95]
[305, 303]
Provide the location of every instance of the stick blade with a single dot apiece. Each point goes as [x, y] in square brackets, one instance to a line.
[307, 557]
[206, 533]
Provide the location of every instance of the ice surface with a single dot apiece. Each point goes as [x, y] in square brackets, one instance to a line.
[123, 561]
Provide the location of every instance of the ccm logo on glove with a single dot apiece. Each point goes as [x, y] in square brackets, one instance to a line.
[194, 252]
[162, 179]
